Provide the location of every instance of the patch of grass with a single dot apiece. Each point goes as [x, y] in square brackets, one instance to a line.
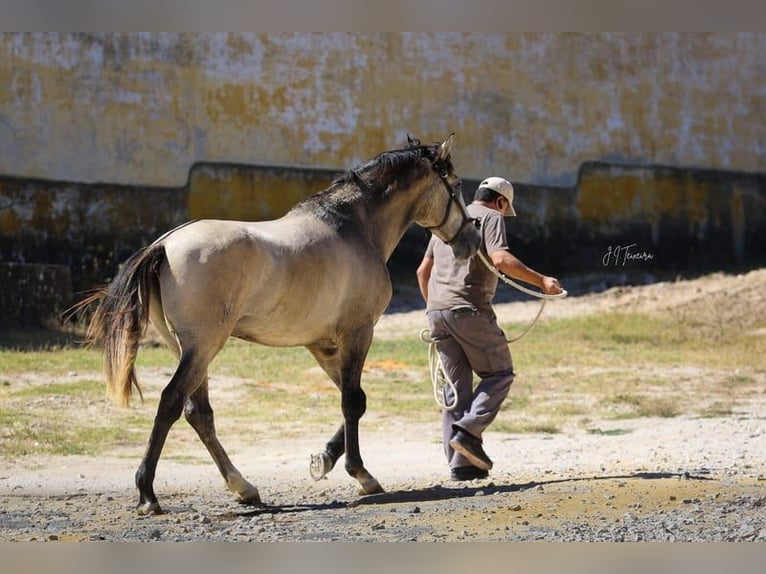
[569, 409]
[545, 428]
[609, 432]
[718, 409]
[735, 381]
[25, 433]
[72, 359]
[63, 417]
[606, 366]
[516, 401]
[616, 339]
[659, 407]
[9, 417]
[629, 365]
[288, 382]
[54, 361]
[246, 360]
[38, 339]
[599, 340]
[642, 406]
[83, 387]
[525, 427]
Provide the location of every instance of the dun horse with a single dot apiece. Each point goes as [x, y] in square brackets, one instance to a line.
[316, 277]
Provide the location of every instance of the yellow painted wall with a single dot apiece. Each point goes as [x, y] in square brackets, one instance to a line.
[222, 191]
[142, 108]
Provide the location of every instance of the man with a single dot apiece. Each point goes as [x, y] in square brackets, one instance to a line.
[458, 297]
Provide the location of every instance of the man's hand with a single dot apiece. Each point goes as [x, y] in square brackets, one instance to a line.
[551, 286]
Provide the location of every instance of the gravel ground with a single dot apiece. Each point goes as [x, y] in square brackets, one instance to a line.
[668, 480]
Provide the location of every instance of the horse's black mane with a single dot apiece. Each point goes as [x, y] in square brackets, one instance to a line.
[387, 162]
[369, 179]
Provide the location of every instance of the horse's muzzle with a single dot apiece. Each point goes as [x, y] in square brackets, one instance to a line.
[467, 242]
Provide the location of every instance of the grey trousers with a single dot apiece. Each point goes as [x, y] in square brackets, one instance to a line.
[470, 341]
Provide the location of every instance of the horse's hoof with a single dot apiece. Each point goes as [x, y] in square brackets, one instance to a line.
[245, 492]
[149, 509]
[371, 486]
[320, 465]
[250, 497]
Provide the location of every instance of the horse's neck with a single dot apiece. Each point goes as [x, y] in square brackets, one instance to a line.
[387, 221]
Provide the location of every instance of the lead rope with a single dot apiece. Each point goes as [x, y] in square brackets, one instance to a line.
[439, 378]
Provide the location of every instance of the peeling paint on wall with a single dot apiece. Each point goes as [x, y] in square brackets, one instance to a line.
[143, 108]
[108, 140]
[690, 219]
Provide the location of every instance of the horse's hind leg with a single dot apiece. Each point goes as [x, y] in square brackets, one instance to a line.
[189, 374]
[199, 414]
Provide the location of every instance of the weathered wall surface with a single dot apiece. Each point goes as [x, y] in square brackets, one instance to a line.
[240, 191]
[142, 108]
[56, 230]
[650, 219]
[688, 220]
[649, 143]
[88, 227]
[40, 293]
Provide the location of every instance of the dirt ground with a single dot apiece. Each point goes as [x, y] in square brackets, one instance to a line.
[668, 479]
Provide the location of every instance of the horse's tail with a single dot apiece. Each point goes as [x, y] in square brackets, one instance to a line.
[121, 317]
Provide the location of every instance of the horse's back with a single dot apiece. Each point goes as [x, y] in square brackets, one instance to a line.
[286, 282]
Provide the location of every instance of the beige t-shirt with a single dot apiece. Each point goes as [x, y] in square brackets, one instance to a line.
[456, 283]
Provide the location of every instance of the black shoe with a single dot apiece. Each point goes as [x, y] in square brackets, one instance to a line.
[470, 447]
[468, 473]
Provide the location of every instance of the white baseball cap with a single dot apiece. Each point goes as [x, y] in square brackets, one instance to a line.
[503, 187]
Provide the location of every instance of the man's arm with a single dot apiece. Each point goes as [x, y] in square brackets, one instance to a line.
[512, 266]
[424, 274]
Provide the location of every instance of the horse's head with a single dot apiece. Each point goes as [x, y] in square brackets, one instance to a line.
[444, 212]
[417, 183]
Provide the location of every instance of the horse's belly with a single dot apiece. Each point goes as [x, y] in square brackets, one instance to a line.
[280, 333]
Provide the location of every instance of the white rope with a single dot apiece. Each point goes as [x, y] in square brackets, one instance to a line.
[544, 297]
[439, 378]
[508, 281]
[532, 324]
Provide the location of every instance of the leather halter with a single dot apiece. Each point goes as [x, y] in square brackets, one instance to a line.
[441, 169]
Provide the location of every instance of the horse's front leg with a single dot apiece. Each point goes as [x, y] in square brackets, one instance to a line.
[322, 463]
[354, 403]
[343, 363]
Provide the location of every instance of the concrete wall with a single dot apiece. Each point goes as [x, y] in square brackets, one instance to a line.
[60, 238]
[33, 294]
[671, 219]
[649, 143]
[688, 220]
[87, 227]
[143, 108]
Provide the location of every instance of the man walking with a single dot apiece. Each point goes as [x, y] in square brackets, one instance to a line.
[458, 297]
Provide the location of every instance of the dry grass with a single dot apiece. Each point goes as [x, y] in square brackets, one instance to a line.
[577, 371]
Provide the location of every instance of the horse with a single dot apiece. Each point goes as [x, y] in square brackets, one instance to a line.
[316, 277]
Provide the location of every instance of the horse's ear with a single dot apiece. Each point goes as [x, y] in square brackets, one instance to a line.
[412, 142]
[446, 147]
